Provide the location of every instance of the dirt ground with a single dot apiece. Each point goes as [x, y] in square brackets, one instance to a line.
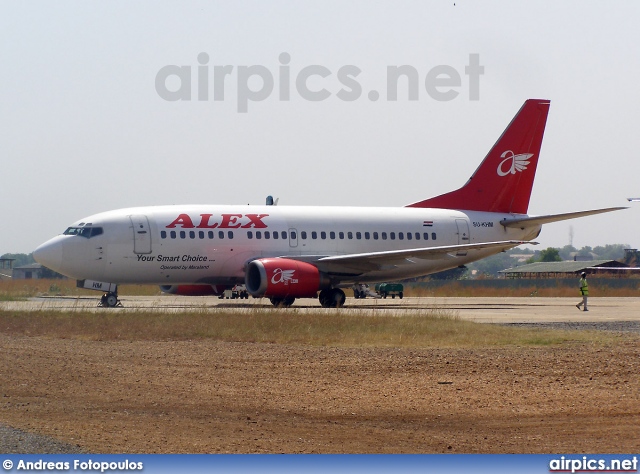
[217, 397]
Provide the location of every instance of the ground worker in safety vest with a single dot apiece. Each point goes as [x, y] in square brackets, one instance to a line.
[584, 291]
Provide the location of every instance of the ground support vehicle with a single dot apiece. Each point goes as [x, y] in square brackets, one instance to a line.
[390, 289]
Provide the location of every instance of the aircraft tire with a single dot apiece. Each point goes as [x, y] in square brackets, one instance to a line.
[109, 300]
[285, 302]
[333, 298]
[323, 297]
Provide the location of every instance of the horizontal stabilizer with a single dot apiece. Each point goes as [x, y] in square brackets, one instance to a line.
[539, 220]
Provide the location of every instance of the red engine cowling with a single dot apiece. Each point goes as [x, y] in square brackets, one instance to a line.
[192, 290]
[281, 277]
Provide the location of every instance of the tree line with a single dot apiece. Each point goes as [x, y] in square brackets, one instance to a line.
[490, 266]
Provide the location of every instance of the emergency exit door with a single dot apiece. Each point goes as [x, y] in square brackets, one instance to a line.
[293, 238]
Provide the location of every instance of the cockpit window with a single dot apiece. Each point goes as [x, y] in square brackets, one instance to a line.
[86, 232]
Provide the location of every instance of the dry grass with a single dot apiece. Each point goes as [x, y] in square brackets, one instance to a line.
[454, 289]
[20, 289]
[347, 327]
[344, 328]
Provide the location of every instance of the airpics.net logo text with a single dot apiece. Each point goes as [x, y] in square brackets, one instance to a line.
[313, 83]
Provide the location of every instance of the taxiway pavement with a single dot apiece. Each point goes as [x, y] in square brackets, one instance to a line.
[484, 310]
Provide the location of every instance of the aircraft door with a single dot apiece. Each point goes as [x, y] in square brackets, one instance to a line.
[141, 234]
[293, 238]
[463, 235]
[463, 231]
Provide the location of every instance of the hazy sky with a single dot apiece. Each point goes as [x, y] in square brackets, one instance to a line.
[84, 127]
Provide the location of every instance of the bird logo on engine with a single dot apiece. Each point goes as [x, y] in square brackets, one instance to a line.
[283, 276]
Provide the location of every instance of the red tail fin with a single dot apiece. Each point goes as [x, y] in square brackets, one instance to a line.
[504, 179]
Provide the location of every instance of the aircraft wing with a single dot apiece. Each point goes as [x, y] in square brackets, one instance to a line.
[356, 264]
[522, 222]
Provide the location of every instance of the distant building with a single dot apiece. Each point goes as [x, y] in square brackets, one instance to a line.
[569, 269]
[28, 272]
[6, 267]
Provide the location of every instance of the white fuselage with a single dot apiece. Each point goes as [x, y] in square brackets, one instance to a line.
[212, 244]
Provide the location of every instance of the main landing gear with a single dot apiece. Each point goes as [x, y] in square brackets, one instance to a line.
[109, 300]
[332, 298]
[282, 302]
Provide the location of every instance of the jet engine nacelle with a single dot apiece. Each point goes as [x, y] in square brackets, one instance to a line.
[282, 277]
[192, 290]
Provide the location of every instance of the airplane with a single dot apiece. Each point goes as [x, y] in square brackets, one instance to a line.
[288, 252]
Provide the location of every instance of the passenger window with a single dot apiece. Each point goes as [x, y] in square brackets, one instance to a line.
[258, 234]
[433, 236]
[230, 234]
[393, 235]
[401, 235]
[163, 234]
[267, 234]
[210, 234]
[293, 236]
[275, 234]
[173, 234]
[384, 236]
[350, 235]
[221, 234]
[303, 234]
[323, 235]
[314, 235]
[332, 235]
[417, 235]
[341, 235]
[284, 235]
[375, 236]
[426, 236]
[183, 234]
[249, 234]
[409, 235]
[366, 235]
[201, 234]
[358, 235]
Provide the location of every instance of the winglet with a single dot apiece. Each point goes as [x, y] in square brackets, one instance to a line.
[504, 179]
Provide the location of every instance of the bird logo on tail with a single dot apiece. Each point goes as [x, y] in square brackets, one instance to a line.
[518, 162]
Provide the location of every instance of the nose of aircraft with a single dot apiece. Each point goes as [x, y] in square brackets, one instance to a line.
[49, 254]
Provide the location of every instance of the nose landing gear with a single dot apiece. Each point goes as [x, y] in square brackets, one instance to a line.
[110, 300]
